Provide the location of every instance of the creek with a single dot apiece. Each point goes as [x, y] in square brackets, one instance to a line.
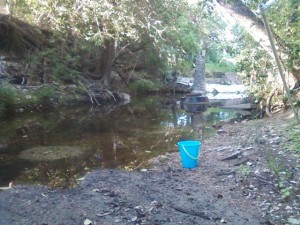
[58, 147]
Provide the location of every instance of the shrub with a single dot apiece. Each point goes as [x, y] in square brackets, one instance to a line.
[47, 96]
[143, 85]
[7, 100]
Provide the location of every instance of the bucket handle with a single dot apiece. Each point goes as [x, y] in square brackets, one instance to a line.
[192, 157]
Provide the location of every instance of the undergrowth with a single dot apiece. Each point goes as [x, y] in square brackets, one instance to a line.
[7, 100]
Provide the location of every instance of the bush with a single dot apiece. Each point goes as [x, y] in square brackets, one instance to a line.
[143, 85]
[63, 66]
[7, 100]
[47, 96]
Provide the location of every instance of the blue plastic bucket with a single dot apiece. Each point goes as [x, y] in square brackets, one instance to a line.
[190, 152]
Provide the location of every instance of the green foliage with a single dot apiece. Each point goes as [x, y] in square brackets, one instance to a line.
[254, 66]
[285, 191]
[275, 163]
[143, 85]
[294, 139]
[220, 67]
[285, 22]
[7, 100]
[283, 185]
[61, 64]
[173, 30]
[256, 70]
[164, 24]
[47, 96]
[244, 170]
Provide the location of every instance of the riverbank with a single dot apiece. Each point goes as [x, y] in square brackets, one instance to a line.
[247, 175]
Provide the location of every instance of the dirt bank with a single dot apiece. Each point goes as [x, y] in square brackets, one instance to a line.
[237, 182]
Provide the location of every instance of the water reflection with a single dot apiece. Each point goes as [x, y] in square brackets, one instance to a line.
[112, 137]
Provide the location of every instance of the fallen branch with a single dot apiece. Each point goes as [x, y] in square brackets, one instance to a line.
[203, 215]
[240, 162]
[262, 179]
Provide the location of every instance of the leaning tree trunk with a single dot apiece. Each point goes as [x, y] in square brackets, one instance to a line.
[105, 62]
[254, 26]
[199, 75]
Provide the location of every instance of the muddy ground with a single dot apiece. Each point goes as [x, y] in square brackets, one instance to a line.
[246, 176]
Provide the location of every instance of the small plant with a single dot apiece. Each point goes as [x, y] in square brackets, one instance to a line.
[243, 170]
[276, 164]
[285, 192]
[283, 186]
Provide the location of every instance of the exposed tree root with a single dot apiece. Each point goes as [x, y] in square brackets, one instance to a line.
[268, 103]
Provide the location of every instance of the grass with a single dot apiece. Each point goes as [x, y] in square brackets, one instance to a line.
[222, 67]
[293, 131]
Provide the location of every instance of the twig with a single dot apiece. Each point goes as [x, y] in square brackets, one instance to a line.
[104, 214]
[203, 215]
[262, 179]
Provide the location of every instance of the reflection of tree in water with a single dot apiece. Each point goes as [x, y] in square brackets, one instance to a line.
[184, 117]
[198, 123]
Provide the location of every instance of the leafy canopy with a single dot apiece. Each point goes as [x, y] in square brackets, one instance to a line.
[166, 24]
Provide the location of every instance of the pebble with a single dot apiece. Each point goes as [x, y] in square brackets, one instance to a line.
[221, 131]
[134, 219]
[118, 220]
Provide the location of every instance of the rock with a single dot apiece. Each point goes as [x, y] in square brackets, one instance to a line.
[221, 131]
[225, 172]
[294, 221]
[218, 125]
[240, 162]
[134, 219]
[20, 110]
[23, 130]
[124, 97]
[235, 155]
[118, 220]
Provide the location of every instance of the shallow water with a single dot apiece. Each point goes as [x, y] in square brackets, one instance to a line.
[35, 147]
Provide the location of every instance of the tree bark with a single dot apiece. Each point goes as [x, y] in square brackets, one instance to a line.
[105, 62]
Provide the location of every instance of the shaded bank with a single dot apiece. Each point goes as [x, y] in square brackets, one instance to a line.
[240, 189]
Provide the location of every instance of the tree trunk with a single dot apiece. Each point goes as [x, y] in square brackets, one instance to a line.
[254, 26]
[199, 75]
[105, 62]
